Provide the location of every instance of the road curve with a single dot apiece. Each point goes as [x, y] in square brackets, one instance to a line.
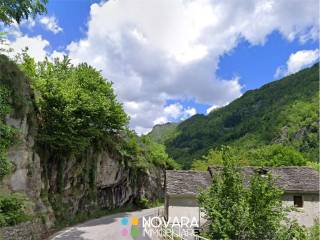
[105, 228]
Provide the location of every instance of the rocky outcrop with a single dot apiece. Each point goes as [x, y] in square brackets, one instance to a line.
[98, 180]
[94, 180]
[59, 187]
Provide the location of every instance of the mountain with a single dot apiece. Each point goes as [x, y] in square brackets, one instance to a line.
[281, 112]
[163, 132]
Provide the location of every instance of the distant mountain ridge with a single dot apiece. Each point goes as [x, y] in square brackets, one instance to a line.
[281, 112]
[163, 132]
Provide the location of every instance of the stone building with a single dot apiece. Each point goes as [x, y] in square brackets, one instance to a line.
[300, 186]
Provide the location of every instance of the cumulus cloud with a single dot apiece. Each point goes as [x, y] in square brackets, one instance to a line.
[141, 113]
[36, 46]
[298, 61]
[172, 50]
[210, 109]
[50, 23]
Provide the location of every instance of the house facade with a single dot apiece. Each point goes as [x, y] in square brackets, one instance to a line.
[300, 186]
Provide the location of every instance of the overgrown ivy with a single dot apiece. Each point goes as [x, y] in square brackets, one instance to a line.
[7, 133]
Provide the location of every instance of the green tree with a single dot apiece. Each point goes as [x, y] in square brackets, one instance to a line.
[17, 10]
[215, 157]
[225, 203]
[77, 105]
[254, 212]
[276, 155]
[156, 154]
[265, 208]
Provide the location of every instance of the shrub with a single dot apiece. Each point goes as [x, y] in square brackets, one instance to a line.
[12, 209]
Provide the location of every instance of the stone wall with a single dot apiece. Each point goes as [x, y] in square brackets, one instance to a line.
[25, 231]
[307, 214]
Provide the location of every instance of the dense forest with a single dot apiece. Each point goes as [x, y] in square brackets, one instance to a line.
[274, 125]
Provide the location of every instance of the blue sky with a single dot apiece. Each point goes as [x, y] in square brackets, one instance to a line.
[169, 60]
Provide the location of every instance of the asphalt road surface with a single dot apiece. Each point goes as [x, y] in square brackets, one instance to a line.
[107, 228]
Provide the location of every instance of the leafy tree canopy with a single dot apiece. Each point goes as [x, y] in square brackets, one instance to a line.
[17, 10]
[77, 106]
[274, 155]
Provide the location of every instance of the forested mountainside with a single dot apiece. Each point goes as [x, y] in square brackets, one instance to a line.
[282, 113]
[163, 132]
[65, 149]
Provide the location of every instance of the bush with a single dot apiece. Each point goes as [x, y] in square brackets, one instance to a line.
[276, 155]
[12, 210]
[143, 202]
[314, 231]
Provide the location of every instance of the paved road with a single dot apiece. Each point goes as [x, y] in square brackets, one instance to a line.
[105, 228]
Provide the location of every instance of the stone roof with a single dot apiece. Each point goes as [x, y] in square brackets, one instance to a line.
[186, 182]
[290, 179]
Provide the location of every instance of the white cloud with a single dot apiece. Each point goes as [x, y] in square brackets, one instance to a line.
[36, 46]
[29, 23]
[210, 109]
[50, 23]
[301, 59]
[190, 112]
[142, 112]
[57, 54]
[172, 49]
[298, 61]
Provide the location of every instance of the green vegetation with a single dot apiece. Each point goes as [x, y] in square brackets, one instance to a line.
[254, 212]
[145, 153]
[17, 10]
[12, 209]
[77, 105]
[77, 115]
[164, 132]
[13, 102]
[283, 112]
[269, 155]
[7, 133]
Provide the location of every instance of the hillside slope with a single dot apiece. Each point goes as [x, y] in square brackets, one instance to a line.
[163, 132]
[283, 112]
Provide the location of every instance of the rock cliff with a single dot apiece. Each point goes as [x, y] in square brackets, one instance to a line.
[58, 188]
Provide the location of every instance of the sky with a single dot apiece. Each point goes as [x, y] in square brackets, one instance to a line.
[171, 59]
